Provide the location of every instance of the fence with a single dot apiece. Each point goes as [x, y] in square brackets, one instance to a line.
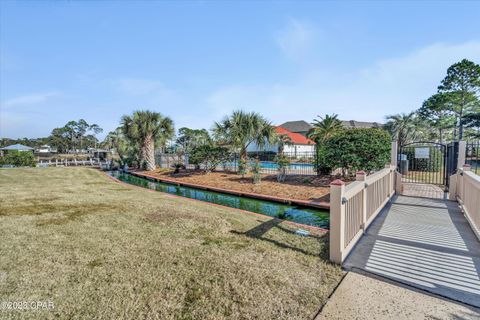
[472, 156]
[301, 163]
[355, 206]
[465, 188]
[92, 162]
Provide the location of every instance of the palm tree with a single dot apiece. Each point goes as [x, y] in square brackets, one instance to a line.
[240, 129]
[283, 140]
[324, 128]
[404, 127]
[144, 129]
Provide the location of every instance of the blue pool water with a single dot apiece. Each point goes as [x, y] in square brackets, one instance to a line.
[314, 217]
[273, 165]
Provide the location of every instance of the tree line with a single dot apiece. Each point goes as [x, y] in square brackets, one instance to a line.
[451, 114]
[72, 137]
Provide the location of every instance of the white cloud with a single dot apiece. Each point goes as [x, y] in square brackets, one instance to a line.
[30, 99]
[296, 39]
[387, 86]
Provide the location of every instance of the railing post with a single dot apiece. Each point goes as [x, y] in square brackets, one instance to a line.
[452, 189]
[337, 221]
[462, 151]
[362, 176]
[393, 154]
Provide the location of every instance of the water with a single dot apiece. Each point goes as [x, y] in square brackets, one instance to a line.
[314, 217]
[273, 165]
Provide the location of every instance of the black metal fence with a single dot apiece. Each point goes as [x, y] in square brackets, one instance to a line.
[423, 162]
[472, 156]
[301, 163]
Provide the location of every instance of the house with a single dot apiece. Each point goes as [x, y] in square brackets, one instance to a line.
[298, 146]
[45, 149]
[300, 126]
[303, 127]
[16, 147]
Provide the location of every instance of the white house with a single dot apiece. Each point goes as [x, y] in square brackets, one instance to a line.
[46, 149]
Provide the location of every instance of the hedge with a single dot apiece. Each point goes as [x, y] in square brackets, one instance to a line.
[357, 149]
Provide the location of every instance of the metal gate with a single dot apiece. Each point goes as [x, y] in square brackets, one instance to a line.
[427, 163]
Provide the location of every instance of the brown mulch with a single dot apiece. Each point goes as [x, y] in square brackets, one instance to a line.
[298, 187]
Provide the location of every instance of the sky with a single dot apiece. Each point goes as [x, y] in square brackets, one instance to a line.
[197, 61]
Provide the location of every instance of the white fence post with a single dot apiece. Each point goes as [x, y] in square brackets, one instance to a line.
[337, 220]
[362, 176]
[462, 150]
[393, 154]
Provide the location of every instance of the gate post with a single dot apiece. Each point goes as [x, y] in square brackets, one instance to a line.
[393, 154]
[462, 150]
[337, 221]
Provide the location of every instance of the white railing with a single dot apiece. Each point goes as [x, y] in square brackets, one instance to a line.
[465, 188]
[353, 207]
[93, 162]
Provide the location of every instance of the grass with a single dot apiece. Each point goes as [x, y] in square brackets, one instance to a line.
[98, 249]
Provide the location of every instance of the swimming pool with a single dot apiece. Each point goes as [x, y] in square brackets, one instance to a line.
[313, 217]
[273, 165]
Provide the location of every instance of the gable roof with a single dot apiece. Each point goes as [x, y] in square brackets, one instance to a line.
[361, 124]
[296, 138]
[19, 147]
[296, 126]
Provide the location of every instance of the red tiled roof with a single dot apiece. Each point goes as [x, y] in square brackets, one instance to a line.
[296, 138]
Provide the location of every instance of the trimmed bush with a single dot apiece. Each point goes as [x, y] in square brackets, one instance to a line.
[357, 149]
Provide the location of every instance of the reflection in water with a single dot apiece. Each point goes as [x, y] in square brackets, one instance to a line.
[313, 217]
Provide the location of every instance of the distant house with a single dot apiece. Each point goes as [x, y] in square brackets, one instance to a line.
[45, 149]
[299, 145]
[303, 127]
[15, 147]
[300, 126]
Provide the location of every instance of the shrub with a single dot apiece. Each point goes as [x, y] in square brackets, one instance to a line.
[210, 156]
[18, 159]
[255, 169]
[242, 167]
[282, 162]
[357, 149]
[321, 165]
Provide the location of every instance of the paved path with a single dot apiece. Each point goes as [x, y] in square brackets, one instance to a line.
[424, 243]
[364, 297]
[423, 190]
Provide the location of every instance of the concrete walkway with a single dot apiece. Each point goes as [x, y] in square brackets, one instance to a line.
[367, 297]
[424, 243]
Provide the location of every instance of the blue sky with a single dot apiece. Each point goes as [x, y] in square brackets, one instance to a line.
[197, 61]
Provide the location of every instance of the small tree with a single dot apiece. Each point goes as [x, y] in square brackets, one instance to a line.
[358, 149]
[210, 156]
[282, 162]
[255, 169]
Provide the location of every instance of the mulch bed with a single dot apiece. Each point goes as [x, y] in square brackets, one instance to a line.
[298, 187]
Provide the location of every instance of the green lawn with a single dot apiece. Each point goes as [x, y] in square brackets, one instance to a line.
[98, 249]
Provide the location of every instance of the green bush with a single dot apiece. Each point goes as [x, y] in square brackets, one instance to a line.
[282, 162]
[431, 164]
[357, 149]
[18, 159]
[255, 169]
[322, 165]
[209, 155]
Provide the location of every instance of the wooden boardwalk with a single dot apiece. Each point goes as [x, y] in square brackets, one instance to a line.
[424, 243]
